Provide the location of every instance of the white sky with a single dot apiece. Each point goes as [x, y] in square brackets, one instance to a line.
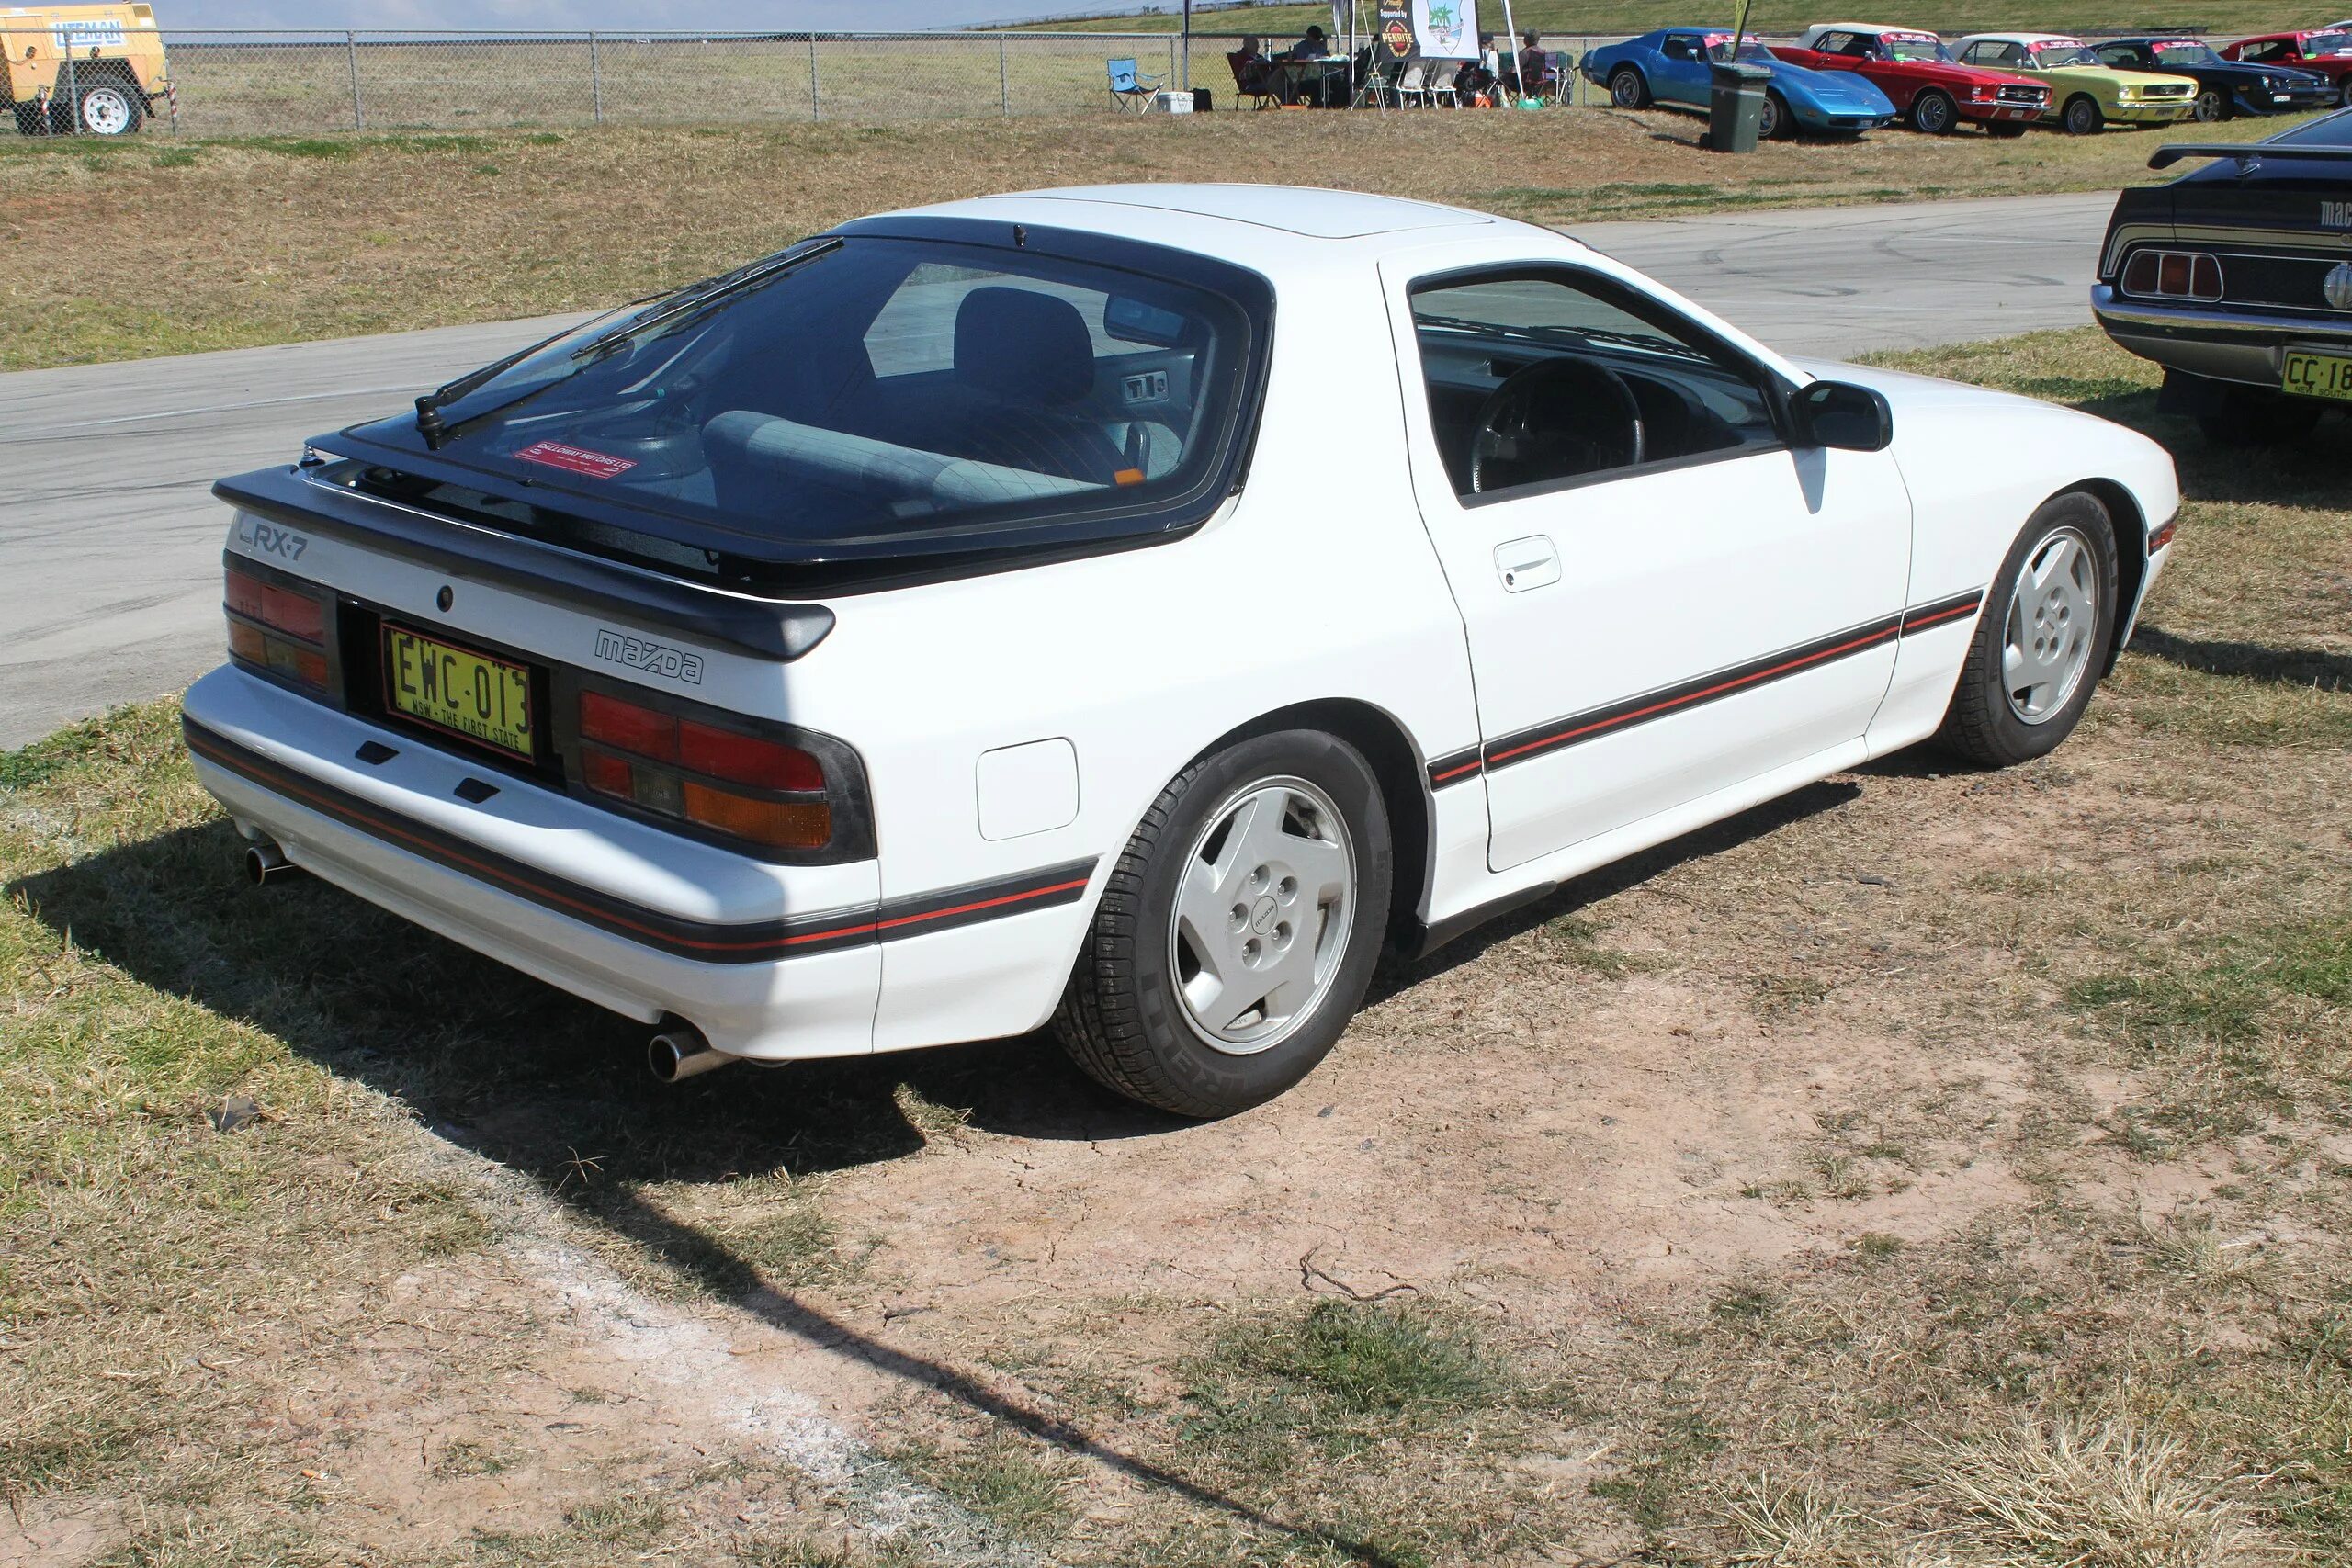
[620, 15]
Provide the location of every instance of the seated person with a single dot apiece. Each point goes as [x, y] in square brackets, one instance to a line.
[1252, 72]
[1477, 76]
[1314, 46]
[1534, 67]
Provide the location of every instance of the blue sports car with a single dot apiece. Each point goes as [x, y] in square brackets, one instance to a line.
[1669, 66]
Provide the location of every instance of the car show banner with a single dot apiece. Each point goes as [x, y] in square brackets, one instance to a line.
[1446, 29]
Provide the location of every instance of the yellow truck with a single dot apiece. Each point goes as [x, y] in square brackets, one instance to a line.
[95, 69]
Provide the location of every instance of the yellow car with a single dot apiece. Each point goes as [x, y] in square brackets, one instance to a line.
[2084, 94]
[95, 69]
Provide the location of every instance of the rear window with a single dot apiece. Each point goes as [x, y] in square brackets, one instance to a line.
[878, 393]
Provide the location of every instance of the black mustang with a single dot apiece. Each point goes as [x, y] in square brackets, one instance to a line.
[2224, 87]
[2237, 279]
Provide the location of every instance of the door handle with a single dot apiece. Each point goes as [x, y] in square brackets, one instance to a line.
[1531, 562]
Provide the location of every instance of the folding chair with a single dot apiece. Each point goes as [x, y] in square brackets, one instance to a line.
[1379, 88]
[1413, 87]
[1253, 88]
[1442, 84]
[1129, 89]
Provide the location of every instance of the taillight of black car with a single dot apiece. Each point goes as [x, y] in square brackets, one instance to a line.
[2151, 274]
[785, 793]
[277, 627]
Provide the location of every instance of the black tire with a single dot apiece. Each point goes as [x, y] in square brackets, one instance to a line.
[1628, 89]
[2252, 417]
[1122, 1020]
[111, 109]
[1775, 123]
[2081, 117]
[1980, 726]
[2343, 93]
[1934, 113]
[2004, 130]
[2212, 106]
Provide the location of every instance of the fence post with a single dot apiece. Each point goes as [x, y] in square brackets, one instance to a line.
[813, 111]
[1003, 80]
[595, 82]
[72, 98]
[351, 57]
[1171, 62]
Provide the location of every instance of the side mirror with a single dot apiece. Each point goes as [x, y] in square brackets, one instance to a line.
[1840, 414]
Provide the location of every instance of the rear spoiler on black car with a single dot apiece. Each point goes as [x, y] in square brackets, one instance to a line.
[2245, 152]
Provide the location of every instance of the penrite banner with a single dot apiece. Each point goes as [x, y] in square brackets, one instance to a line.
[1395, 29]
[1446, 29]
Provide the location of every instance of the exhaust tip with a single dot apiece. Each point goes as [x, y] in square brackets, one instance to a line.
[264, 861]
[676, 1054]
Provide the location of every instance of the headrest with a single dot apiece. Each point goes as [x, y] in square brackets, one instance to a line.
[1023, 346]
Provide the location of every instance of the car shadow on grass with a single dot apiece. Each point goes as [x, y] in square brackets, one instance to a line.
[2310, 666]
[551, 1087]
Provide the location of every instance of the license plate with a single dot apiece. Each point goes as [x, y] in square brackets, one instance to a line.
[457, 689]
[2318, 376]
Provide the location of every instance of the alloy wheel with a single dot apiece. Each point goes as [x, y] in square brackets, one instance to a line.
[2052, 618]
[1933, 114]
[1263, 909]
[2208, 105]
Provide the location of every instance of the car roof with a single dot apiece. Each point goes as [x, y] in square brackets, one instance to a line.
[1868, 28]
[1309, 212]
[2031, 41]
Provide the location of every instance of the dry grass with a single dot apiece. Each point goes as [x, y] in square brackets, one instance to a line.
[264, 240]
[2097, 1494]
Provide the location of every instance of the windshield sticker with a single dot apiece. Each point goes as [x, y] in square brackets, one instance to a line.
[1908, 38]
[576, 459]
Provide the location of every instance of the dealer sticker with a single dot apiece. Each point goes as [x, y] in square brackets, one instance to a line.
[576, 459]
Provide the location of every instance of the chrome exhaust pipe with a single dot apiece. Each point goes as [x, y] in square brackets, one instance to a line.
[680, 1052]
[265, 863]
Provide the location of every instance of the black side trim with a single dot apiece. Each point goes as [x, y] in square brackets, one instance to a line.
[1919, 617]
[759, 941]
[1455, 767]
[1437, 935]
[1608, 719]
[773, 629]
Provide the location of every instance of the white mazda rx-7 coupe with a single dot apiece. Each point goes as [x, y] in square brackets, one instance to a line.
[1132, 607]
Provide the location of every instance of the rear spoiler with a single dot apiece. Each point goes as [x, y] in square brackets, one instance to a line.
[2249, 154]
[743, 621]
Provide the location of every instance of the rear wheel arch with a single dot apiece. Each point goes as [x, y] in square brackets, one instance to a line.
[1397, 763]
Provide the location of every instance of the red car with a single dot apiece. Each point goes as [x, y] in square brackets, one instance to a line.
[2327, 54]
[1932, 91]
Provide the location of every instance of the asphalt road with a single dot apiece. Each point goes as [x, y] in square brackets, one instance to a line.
[110, 544]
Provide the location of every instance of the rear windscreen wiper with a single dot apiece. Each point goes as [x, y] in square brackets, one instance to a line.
[429, 406]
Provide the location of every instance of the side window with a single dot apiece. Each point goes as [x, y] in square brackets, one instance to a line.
[2118, 54]
[2013, 54]
[1977, 54]
[1545, 379]
[1835, 43]
[1676, 48]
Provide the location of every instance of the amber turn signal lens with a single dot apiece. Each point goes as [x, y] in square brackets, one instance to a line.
[784, 824]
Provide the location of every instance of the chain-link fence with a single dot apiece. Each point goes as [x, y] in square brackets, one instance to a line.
[284, 83]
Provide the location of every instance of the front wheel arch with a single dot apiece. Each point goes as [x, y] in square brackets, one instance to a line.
[2130, 525]
[2082, 100]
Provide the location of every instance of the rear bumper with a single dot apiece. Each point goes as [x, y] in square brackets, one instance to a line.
[2222, 345]
[646, 924]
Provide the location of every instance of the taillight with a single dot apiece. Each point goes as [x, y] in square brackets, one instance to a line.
[2173, 275]
[727, 781]
[278, 629]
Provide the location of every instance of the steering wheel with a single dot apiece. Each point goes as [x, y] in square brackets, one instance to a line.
[1551, 420]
